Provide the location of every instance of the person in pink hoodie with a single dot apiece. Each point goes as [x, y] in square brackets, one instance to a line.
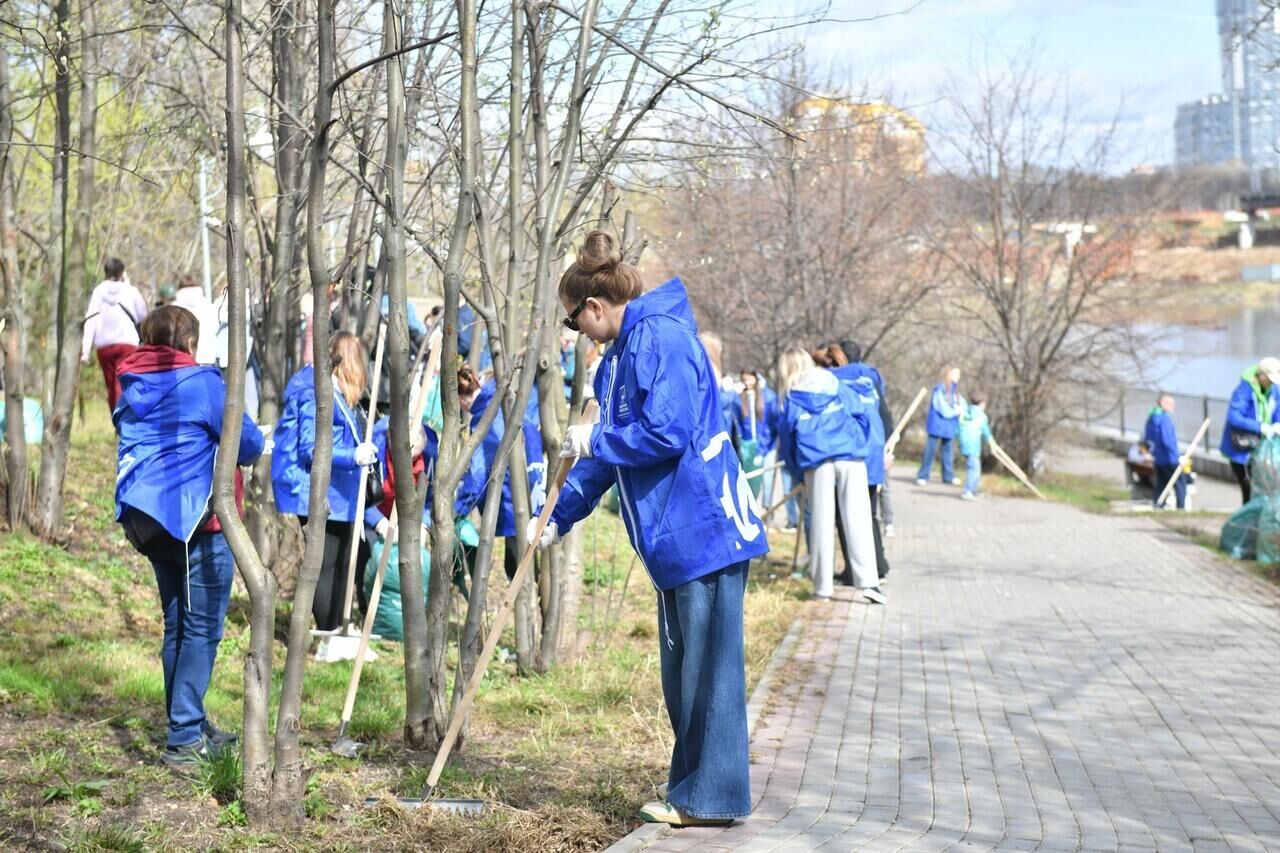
[116, 311]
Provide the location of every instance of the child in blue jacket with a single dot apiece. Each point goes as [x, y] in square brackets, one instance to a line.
[169, 421]
[687, 508]
[824, 436]
[1162, 440]
[974, 429]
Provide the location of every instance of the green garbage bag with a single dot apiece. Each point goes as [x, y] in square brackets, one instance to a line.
[1239, 539]
[389, 621]
[610, 501]
[1264, 468]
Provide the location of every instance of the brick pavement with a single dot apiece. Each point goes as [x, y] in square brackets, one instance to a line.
[1042, 679]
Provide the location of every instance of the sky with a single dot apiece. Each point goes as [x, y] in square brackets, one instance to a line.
[1135, 59]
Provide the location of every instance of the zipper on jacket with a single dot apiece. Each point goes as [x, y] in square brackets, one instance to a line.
[624, 499]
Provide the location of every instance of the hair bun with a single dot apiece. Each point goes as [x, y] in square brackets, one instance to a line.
[599, 253]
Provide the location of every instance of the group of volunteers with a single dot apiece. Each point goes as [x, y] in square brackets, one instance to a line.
[680, 442]
[1252, 416]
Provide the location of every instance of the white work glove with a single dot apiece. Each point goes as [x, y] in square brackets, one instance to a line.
[577, 441]
[382, 528]
[888, 459]
[366, 453]
[550, 534]
[1268, 430]
[268, 446]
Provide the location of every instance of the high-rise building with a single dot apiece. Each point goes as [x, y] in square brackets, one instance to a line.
[1243, 123]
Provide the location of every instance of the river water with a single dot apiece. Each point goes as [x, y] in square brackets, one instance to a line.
[1207, 358]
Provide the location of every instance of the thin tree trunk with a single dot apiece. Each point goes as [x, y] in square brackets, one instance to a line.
[426, 706]
[288, 783]
[57, 247]
[260, 584]
[15, 346]
[70, 318]
[274, 337]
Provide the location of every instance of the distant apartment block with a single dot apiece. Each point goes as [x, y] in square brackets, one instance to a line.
[1242, 124]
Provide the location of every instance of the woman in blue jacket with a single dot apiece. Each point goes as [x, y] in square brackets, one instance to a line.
[754, 412]
[169, 420]
[295, 441]
[824, 436]
[1251, 417]
[943, 424]
[687, 508]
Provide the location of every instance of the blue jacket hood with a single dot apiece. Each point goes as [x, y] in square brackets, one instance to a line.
[169, 423]
[668, 300]
[823, 420]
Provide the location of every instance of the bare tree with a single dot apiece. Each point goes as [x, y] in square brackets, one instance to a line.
[15, 347]
[1037, 264]
[71, 289]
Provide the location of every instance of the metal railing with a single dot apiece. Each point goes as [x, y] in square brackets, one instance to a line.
[1125, 409]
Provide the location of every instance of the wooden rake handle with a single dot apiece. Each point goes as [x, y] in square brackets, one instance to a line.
[504, 613]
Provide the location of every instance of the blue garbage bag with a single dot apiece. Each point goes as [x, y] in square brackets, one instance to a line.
[32, 420]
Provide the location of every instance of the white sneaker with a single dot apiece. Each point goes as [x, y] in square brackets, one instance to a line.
[873, 595]
[888, 531]
[920, 481]
[956, 481]
[968, 496]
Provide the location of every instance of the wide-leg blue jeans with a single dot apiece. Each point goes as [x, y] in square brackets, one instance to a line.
[704, 684]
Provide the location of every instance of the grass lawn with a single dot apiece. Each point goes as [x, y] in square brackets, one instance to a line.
[563, 759]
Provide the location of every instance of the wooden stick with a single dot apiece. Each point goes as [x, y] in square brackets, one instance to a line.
[1182, 463]
[366, 632]
[892, 441]
[1004, 459]
[504, 613]
[357, 529]
[762, 471]
[791, 494]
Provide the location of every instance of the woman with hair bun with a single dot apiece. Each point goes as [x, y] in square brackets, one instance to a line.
[688, 510]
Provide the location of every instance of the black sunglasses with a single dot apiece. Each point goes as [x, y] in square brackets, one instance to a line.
[571, 322]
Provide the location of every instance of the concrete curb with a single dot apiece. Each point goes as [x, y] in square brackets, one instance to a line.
[648, 833]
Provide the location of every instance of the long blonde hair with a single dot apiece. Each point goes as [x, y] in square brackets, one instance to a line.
[793, 362]
[346, 354]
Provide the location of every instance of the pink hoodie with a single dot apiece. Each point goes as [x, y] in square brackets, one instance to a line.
[114, 309]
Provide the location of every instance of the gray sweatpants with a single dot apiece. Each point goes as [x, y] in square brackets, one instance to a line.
[821, 483]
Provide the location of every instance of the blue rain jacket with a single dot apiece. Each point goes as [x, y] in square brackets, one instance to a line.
[945, 406]
[474, 484]
[974, 427]
[1249, 409]
[169, 422]
[824, 420]
[295, 442]
[866, 383]
[1161, 437]
[688, 508]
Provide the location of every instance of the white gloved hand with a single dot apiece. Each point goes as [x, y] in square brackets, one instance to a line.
[382, 528]
[267, 447]
[577, 441]
[888, 460]
[550, 533]
[1268, 430]
[366, 453]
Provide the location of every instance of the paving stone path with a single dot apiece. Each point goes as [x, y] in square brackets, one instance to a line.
[1041, 679]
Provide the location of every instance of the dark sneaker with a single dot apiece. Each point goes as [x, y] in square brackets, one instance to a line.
[873, 595]
[845, 578]
[217, 738]
[191, 754]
